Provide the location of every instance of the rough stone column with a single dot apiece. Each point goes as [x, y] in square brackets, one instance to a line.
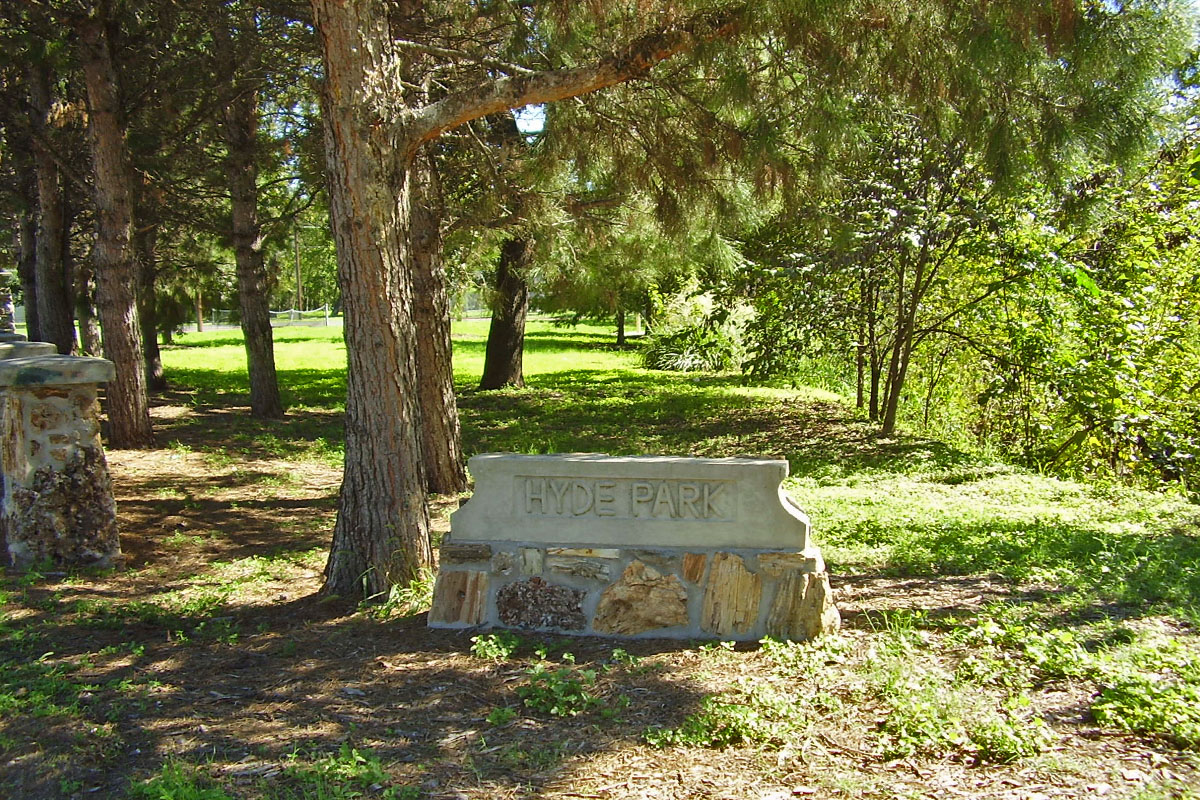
[57, 501]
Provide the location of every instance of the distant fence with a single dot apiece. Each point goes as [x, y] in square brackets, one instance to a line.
[293, 316]
[225, 318]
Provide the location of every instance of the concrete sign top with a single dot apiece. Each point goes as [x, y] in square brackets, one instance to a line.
[631, 501]
[49, 370]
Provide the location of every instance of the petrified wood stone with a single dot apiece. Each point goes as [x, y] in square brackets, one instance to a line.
[460, 598]
[451, 553]
[66, 515]
[536, 603]
[731, 596]
[580, 567]
[693, 566]
[663, 562]
[531, 561]
[584, 552]
[775, 564]
[642, 600]
[503, 563]
[803, 607]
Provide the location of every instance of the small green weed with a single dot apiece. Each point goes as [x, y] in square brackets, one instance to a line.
[502, 715]
[177, 782]
[755, 719]
[562, 692]
[403, 601]
[498, 646]
[350, 773]
[39, 688]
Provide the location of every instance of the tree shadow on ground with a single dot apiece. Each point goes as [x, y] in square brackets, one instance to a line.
[298, 677]
[677, 414]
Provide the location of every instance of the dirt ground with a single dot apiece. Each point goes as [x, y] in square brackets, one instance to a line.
[275, 672]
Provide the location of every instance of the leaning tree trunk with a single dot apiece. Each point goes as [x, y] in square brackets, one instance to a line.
[902, 347]
[502, 363]
[382, 533]
[147, 302]
[441, 437]
[116, 276]
[241, 167]
[53, 290]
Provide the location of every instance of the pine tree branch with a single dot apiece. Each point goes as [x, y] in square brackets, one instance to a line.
[463, 55]
[632, 61]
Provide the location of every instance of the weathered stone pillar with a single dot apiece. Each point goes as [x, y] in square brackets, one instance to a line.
[57, 502]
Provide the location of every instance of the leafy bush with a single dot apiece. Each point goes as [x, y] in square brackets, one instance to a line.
[697, 348]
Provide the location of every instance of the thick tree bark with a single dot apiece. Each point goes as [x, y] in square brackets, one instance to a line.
[503, 362]
[147, 302]
[382, 532]
[53, 288]
[441, 437]
[620, 327]
[241, 167]
[116, 276]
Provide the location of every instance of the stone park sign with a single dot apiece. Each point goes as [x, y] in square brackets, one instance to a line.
[647, 546]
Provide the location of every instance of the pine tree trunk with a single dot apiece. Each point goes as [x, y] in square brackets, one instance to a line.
[241, 132]
[53, 296]
[26, 230]
[85, 310]
[502, 364]
[27, 269]
[147, 301]
[441, 438]
[116, 275]
[382, 533]
[620, 327]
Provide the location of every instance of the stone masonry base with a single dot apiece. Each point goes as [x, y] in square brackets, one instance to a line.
[681, 593]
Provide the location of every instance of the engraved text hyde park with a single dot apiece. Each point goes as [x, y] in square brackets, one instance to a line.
[626, 499]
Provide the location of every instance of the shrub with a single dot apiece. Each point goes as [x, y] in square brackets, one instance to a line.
[697, 348]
